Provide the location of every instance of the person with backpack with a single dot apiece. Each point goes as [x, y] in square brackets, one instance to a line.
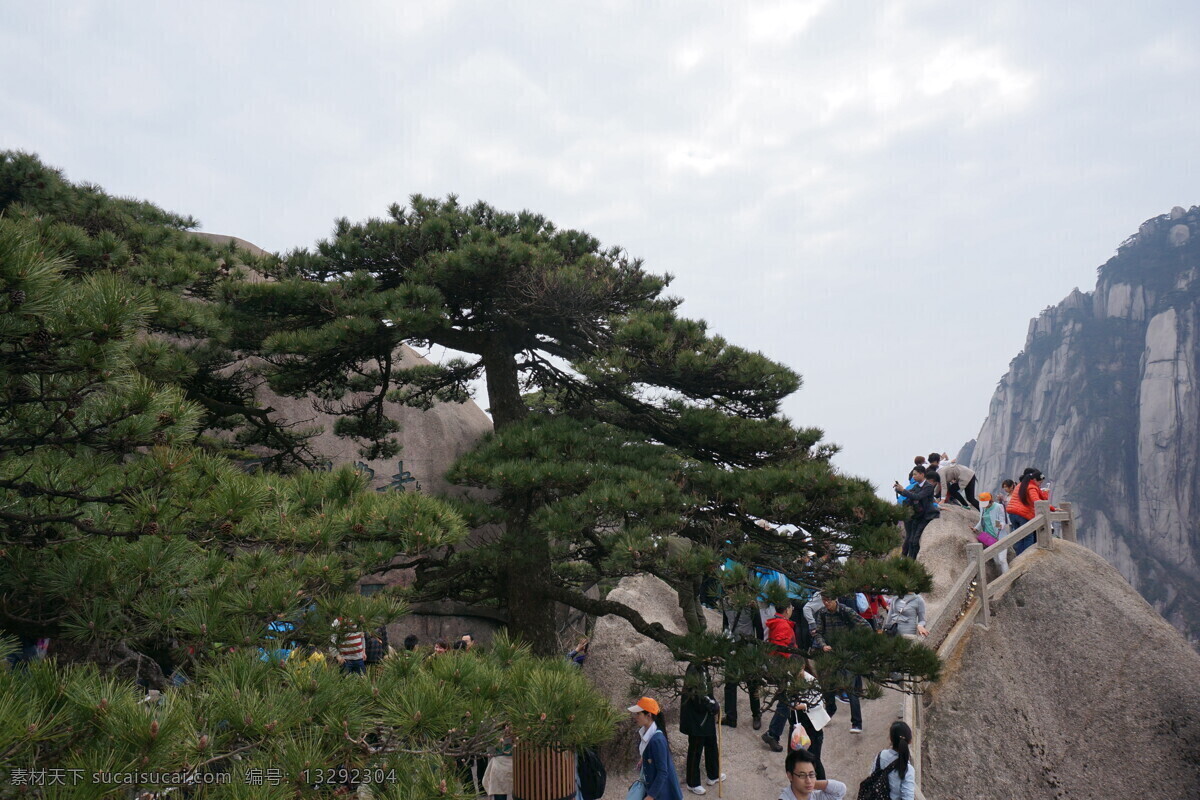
[894, 777]
[656, 768]
[590, 776]
[803, 783]
[698, 721]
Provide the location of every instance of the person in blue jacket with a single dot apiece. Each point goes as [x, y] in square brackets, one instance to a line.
[657, 768]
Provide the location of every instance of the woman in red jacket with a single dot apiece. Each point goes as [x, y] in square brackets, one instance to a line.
[781, 631]
[1020, 506]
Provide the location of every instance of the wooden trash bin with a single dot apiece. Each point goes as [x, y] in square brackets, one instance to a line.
[543, 773]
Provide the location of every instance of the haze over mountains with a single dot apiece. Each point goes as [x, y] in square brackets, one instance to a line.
[1105, 399]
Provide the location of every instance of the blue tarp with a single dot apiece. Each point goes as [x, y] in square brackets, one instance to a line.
[767, 577]
[282, 653]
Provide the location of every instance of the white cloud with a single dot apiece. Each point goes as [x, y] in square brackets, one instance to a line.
[780, 22]
[805, 168]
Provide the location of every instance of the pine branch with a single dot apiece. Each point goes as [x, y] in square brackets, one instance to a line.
[600, 608]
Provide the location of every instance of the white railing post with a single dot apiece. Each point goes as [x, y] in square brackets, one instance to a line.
[975, 553]
[1041, 512]
[1069, 525]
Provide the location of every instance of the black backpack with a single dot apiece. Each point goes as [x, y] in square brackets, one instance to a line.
[875, 786]
[592, 776]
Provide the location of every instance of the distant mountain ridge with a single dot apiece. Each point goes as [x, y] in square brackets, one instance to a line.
[1105, 399]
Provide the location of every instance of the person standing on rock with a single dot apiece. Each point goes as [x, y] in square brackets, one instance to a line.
[1007, 487]
[918, 461]
[956, 481]
[987, 530]
[1021, 508]
[657, 768]
[921, 500]
[698, 721]
[801, 768]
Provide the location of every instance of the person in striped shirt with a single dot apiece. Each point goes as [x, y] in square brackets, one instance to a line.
[351, 647]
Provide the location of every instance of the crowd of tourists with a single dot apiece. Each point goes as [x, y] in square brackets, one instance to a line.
[804, 627]
[934, 482]
[892, 776]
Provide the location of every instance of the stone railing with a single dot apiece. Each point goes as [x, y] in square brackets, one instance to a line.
[968, 602]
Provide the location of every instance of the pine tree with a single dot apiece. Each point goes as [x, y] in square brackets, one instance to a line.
[182, 277]
[151, 560]
[627, 437]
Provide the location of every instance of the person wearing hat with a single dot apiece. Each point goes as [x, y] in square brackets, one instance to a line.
[657, 769]
[987, 529]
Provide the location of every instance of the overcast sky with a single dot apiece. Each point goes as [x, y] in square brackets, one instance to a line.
[878, 194]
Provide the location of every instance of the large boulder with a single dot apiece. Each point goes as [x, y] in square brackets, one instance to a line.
[1078, 688]
[615, 647]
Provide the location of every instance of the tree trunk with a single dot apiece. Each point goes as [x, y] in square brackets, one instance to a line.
[527, 554]
[503, 387]
[530, 611]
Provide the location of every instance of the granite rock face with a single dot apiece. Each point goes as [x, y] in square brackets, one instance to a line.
[1074, 673]
[1105, 400]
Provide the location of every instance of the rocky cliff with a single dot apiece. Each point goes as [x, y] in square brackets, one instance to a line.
[1075, 674]
[1105, 399]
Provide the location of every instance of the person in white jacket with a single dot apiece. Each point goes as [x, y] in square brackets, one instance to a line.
[801, 768]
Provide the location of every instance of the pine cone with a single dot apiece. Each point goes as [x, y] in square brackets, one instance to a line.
[226, 527]
[159, 438]
[165, 419]
[150, 528]
[41, 338]
[359, 528]
[16, 298]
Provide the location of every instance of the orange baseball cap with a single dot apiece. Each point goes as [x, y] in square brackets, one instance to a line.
[985, 497]
[647, 704]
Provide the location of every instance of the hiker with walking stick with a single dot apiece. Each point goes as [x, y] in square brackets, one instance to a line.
[698, 717]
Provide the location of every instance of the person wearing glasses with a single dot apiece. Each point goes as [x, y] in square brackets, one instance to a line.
[802, 780]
